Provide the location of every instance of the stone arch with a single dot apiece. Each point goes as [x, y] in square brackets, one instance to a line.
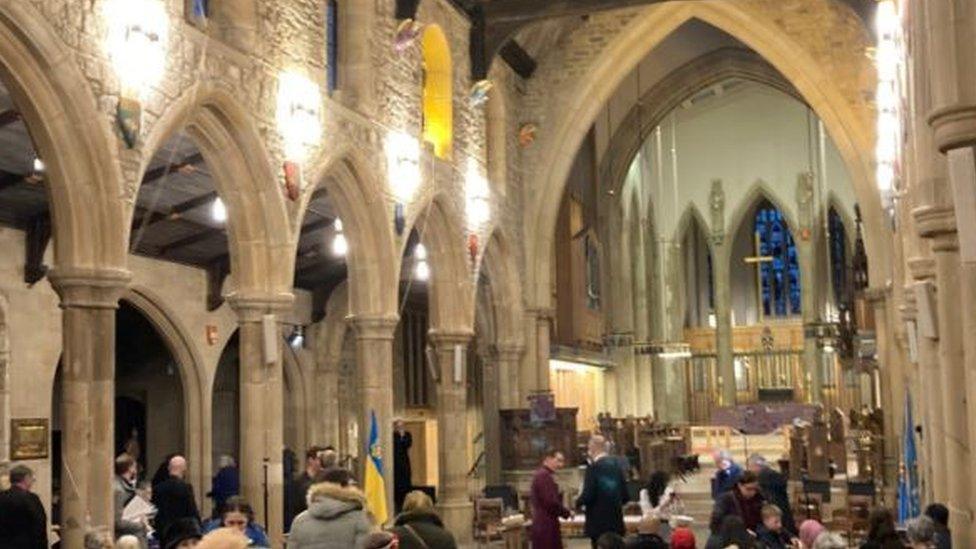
[497, 133]
[438, 94]
[757, 192]
[259, 232]
[372, 261]
[502, 270]
[192, 375]
[668, 94]
[850, 225]
[84, 178]
[692, 215]
[451, 283]
[751, 23]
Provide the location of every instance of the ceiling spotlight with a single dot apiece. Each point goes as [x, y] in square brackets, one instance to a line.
[297, 338]
[339, 245]
[39, 166]
[420, 252]
[218, 211]
[422, 271]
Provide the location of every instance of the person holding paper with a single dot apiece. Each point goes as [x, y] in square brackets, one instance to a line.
[124, 490]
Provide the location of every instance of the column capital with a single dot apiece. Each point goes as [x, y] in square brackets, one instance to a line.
[449, 337]
[946, 242]
[619, 339]
[89, 288]
[250, 307]
[509, 351]
[932, 221]
[921, 268]
[876, 295]
[377, 327]
[541, 313]
[953, 126]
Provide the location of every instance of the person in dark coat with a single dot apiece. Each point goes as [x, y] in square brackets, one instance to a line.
[774, 488]
[419, 526]
[732, 531]
[604, 493]
[296, 491]
[882, 533]
[940, 516]
[402, 441]
[23, 522]
[547, 506]
[743, 501]
[173, 497]
[226, 483]
[726, 475]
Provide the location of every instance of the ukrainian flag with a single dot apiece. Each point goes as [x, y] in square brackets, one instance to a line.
[375, 489]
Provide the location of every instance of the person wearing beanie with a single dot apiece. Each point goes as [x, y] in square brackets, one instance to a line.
[810, 530]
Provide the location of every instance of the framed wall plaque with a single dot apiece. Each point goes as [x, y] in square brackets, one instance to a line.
[28, 439]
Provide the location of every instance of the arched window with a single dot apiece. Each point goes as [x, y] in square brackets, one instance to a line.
[838, 256]
[699, 288]
[779, 271]
[438, 91]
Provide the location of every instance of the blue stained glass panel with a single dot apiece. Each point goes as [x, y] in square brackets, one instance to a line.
[779, 278]
[838, 255]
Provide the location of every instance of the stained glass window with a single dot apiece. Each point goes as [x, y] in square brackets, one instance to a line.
[780, 277]
[838, 256]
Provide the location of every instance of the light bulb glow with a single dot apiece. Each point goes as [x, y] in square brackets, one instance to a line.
[403, 165]
[420, 252]
[339, 245]
[422, 271]
[136, 42]
[889, 62]
[477, 205]
[299, 114]
[39, 166]
[337, 225]
[218, 211]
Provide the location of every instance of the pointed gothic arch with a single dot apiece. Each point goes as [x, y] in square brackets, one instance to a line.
[697, 271]
[260, 239]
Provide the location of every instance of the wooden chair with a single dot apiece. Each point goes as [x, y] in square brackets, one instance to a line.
[488, 513]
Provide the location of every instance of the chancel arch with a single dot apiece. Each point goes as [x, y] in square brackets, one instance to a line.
[694, 245]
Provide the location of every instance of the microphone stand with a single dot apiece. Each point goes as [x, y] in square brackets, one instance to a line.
[267, 527]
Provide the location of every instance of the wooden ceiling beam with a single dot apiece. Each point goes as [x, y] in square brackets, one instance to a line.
[156, 174]
[206, 234]
[174, 212]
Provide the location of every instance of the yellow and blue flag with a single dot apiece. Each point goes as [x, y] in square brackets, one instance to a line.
[375, 488]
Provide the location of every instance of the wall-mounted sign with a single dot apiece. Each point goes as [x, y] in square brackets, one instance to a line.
[28, 439]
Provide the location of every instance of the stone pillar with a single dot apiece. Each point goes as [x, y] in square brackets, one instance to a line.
[490, 405]
[950, 31]
[643, 366]
[933, 430]
[89, 299]
[509, 358]
[721, 259]
[262, 411]
[622, 354]
[543, 326]
[806, 250]
[374, 360]
[452, 436]
[938, 223]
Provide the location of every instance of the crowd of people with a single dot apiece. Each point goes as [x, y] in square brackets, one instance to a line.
[325, 509]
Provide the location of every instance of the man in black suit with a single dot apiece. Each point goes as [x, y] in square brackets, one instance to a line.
[774, 488]
[604, 492]
[23, 522]
[173, 497]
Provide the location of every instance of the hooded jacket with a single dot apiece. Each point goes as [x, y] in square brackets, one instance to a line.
[335, 519]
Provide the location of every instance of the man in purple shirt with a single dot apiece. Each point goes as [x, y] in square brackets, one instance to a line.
[547, 506]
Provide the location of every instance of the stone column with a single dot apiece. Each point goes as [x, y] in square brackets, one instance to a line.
[509, 358]
[938, 223]
[622, 354]
[543, 326]
[374, 360]
[262, 413]
[490, 406]
[933, 433]
[452, 436]
[721, 259]
[950, 31]
[806, 250]
[644, 404]
[89, 299]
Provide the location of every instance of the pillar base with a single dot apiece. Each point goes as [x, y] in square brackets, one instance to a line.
[458, 517]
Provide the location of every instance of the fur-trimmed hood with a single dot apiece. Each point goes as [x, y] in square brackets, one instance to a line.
[327, 500]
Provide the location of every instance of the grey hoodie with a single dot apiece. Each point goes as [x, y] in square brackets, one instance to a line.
[335, 519]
